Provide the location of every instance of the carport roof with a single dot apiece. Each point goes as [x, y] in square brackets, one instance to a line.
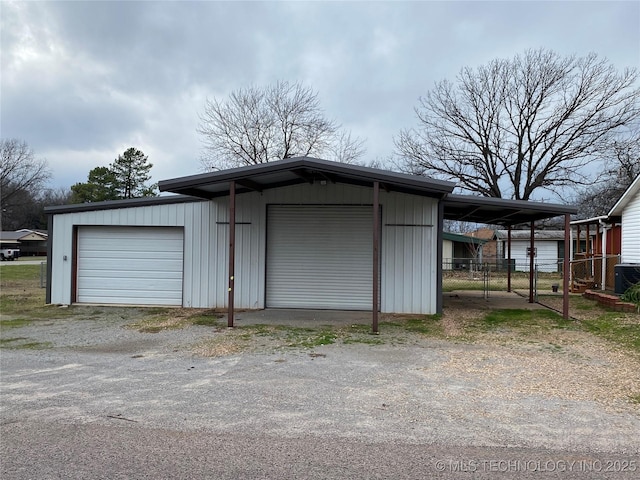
[500, 211]
[299, 170]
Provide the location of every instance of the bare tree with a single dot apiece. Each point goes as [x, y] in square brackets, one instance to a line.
[22, 176]
[512, 127]
[258, 125]
[622, 168]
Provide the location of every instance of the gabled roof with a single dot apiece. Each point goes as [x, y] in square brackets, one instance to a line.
[24, 234]
[293, 171]
[526, 234]
[36, 231]
[626, 197]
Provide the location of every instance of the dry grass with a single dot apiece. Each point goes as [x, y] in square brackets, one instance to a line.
[175, 318]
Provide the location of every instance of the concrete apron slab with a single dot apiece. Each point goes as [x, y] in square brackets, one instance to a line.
[495, 301]
[314, 318]
[301, 318]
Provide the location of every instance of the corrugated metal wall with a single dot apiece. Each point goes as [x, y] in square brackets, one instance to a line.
[408, 250]
[196, 218]
[631, 231]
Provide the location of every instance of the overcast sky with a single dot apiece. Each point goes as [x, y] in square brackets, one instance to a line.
[83, 81]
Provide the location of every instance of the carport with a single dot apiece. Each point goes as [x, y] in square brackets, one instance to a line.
[507, 213]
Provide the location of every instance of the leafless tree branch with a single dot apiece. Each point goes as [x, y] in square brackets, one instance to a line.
[512, 127]
[257, 125]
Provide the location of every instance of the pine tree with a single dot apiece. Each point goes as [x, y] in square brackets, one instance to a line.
[126, 177]
[131, 172]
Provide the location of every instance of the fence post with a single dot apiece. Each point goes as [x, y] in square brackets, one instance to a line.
[43, 274]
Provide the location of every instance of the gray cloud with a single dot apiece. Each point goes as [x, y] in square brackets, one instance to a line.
[82, 81]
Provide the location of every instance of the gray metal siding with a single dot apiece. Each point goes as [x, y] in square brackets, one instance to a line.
[195, 218]
[408, 273]
[319, 257]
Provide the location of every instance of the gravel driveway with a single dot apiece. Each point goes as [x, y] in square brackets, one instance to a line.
[568, 395]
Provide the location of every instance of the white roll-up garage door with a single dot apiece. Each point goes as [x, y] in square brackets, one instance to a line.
[319, 256]
[130, 265]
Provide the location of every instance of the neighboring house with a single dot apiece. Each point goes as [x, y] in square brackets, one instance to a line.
[548, 249]
[627, 212]
[29, 242]
[460, 251]
[489, 247]
[300, 232]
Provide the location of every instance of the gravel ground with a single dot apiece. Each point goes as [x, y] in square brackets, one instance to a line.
[567, 391]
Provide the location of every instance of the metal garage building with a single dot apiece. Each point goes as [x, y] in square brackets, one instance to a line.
[303, 239]
[298, 233]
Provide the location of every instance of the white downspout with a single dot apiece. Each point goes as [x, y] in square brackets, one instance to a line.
[570, 256]
[603, 267]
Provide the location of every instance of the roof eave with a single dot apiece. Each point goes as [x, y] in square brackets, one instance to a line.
[625, 198]
[345, 173]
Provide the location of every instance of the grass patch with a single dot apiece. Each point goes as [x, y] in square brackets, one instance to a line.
[523, 319]
[14, 323]
[156, 320]
[297, 337]
[277, 337]
[4, 341]
[23, 297]
[19, 343]
[624, 330]
[20, 273]
[206, 319]
[371, 340]
[429, 325]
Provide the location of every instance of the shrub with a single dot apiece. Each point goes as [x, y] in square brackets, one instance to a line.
[632, 294]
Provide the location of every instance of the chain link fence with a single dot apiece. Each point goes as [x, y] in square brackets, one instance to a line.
[43, 274]
[469, 274]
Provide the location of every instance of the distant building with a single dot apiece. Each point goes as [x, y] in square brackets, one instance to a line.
[29, 242]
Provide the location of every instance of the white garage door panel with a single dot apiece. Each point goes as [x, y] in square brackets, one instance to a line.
[319, 257]
[130, 265]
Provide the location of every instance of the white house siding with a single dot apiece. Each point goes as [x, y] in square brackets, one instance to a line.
[631, 231]
[408, 244]
[546, 255]
[447, 255]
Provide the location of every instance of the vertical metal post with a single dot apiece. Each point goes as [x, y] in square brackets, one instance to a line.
[603, 266]
[531, 261]
[509, 258]
[569, 274]
[439, 245]
[50, 239]
[588, 256]
[376, 255]
[566, 268]
[232, 249]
